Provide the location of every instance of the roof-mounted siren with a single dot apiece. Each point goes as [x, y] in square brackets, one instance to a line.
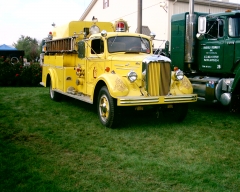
[121, 26]
[94, 28]
[50, 35]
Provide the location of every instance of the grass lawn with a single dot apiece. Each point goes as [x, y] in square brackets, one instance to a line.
[62, 146]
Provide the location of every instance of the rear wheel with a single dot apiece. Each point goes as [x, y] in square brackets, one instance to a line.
[53, 94]
[106, 107]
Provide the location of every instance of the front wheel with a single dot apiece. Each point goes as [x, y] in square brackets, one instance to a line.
[106, 107]
[53, 94]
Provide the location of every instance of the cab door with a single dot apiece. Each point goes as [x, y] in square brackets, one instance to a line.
[232, 43]
[95, 63]
[212, 47]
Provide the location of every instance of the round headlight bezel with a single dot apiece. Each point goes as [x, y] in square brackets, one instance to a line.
[132, 76]
[179, 75]
[94, 29]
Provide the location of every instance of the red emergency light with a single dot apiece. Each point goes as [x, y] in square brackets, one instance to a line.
[121, 26]
[50, 36]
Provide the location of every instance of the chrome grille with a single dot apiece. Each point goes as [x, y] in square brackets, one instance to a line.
[158, 78]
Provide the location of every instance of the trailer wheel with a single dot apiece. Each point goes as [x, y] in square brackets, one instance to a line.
[53, 94]
[106, 108]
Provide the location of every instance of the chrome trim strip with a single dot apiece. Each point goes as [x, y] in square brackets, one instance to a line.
[140, 99]
[180, 98]
[156, 100]
[46, 65]
[132, 68]
[138, 102]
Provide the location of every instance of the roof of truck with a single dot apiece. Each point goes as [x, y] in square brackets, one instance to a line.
[226, 13]
[181, 16]
[119, 34]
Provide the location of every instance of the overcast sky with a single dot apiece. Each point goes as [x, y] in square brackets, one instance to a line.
[34, 17]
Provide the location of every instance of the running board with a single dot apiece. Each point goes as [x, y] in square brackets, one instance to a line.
[77, 96]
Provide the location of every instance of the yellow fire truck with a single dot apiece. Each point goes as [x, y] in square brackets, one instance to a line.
[102, 63]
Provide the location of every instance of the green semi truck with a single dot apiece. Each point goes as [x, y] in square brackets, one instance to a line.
[207, 48]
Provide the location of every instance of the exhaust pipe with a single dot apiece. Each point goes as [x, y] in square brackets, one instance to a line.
[191, 20]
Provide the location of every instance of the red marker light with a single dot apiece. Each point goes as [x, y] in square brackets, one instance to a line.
[107, 69]
[175, 68]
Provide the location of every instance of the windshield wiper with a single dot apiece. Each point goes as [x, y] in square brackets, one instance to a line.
[114, 40]
[143, 42]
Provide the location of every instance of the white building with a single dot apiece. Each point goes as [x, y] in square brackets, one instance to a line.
[156, 14]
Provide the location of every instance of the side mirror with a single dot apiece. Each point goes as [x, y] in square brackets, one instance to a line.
[152, 35]
[81, 49]
[200, 36]
[202, 21]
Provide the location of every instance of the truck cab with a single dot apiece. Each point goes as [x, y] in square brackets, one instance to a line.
[214, 67]
[103, 64]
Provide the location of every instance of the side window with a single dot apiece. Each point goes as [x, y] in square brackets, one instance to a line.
[215, 29]
[220, 28]
[212, 29]
[234, 26]
[97, 46]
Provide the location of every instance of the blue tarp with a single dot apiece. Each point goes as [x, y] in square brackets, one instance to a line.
[4, 47]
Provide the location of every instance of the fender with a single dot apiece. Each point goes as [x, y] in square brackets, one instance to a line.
[185, 86]
[181, 87]
[53, 76]
[116, 84]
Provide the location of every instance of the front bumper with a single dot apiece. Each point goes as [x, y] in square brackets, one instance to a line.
[156, 100]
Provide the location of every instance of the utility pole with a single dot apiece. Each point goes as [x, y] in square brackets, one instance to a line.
[139, 19]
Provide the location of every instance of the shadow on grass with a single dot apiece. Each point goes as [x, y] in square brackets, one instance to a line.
[129, 117]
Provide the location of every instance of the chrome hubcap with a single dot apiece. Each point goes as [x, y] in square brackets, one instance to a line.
[104, 108]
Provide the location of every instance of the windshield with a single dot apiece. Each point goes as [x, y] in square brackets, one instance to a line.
[128, 44]
[234, 26]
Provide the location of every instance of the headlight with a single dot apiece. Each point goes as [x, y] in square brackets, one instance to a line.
[179, 75]
[94, 29]
[132, 76]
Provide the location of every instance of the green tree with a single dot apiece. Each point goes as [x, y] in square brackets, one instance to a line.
[30, 47]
